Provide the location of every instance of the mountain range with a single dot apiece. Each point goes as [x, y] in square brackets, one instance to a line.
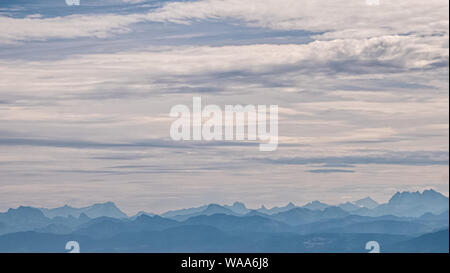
[108, 209]
[406, 222]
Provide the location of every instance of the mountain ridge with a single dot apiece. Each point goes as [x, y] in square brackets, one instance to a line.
[314, 227]
[108, 209]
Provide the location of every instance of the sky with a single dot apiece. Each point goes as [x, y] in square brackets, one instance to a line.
[86, 92]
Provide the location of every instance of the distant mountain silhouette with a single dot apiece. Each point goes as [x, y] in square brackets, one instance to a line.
[349, 206]
[231, 223]
[366, 203]
[316, 205]
[105, 227]
[107, 209]
[141, 213]
[435, 221]
[412, 204]
[339, 223]
[29, 218]
[238, 208]
[409, 222]
[22, 219]
[298, 216]
[275, 210]
[257, 213]
[174, 213]
[384, 227]
[177, 239]
[209, 210]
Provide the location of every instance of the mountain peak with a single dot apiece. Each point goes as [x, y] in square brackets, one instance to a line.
[212, 206]
[349, 206]
[238, 208]
[315, 205]
[108, 209]
[238, 204]
[416, 203]
[431, 192]
[290, 205]
[83, 216]
[26, 211]
[410, 196]
[105, 209]
[367, 202]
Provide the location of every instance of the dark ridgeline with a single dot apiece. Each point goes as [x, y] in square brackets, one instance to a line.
[409, 222]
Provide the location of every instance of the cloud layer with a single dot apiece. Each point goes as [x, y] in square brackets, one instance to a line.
[85, 96]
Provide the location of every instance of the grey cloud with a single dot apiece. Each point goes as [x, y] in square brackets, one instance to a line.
[393, 158]
[152, 143]
[121, 157]
[330, 171]
[105, 98]
[79, 144]
[373, 141]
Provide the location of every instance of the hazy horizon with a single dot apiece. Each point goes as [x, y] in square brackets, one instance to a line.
[148, 210]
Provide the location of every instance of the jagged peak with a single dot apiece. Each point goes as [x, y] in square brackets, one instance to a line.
[368, 198]
[25, 210]
[214, 206]
[239, 204]
[406, 194]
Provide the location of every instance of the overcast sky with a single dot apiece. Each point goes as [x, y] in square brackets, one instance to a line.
[86, 91]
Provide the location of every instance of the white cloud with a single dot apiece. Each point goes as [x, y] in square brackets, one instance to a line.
[333, 19]
[337, 18]
[376, 78]
[74, 26]
[142, 69]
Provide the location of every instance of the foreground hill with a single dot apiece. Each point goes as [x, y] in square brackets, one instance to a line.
[437, 242]
[196, 239]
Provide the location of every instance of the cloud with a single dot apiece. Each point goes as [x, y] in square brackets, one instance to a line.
[134, 1]
[330, 171]
[84, 98]
[336, 19]
[80, 144]
[66, 27]
[88, 144]
[330, 20]
[144, 70]
[393, 158]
